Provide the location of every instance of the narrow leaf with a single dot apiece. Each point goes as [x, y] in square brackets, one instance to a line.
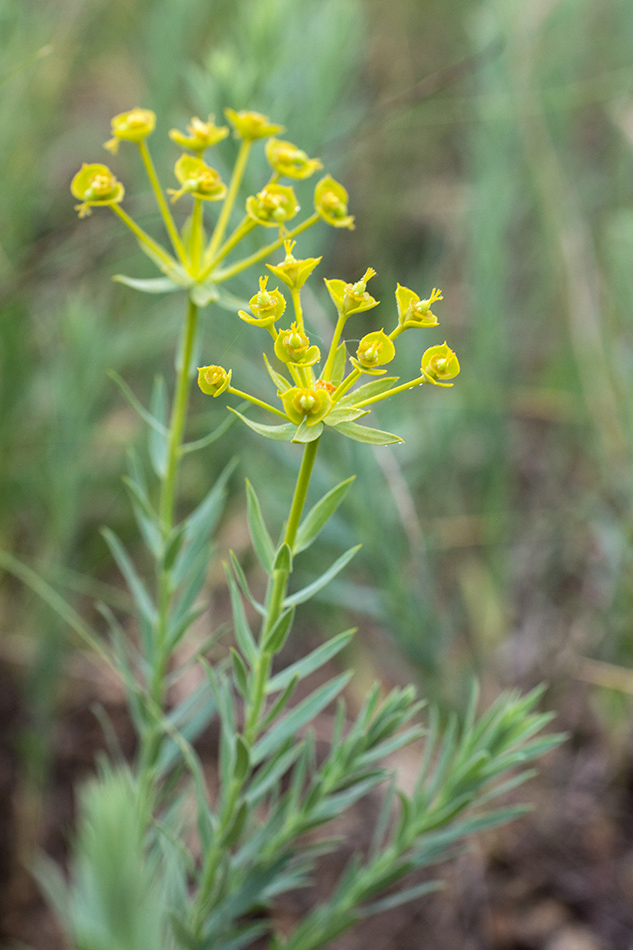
[280, 381]
[319, 515]
[150, 285]
[307, 592]
[277, 636]
[260, 537]
[283, 559]
[313, 661]
[306, 433]
[282, 433]
[138, 407]
[157, 440]
[364, 434]
[368, 391]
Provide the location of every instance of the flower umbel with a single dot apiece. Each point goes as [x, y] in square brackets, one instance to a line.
[132, 126]
[273, 205]
[330, 202]
[413, 312]
[95, 185]
[202, 135]
[375, 350]
[439, 363]
[198, 179]
[286, 159]
[311, 405]
[213, 380]
[252, 125]
[267, 306]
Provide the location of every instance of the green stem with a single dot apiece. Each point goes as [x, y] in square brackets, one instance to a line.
[244, 227]
[177, 422]
[340, 323]
[349, 380]
[229, 201]
[420, 381]
[172, 230]
[195, 243]
[296, 300]
[265, 251]
[143, 236]
[257, 402]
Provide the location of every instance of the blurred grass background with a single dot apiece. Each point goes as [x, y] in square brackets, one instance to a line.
[487, 150]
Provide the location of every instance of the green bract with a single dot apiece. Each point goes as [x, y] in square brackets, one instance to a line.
[330, 201]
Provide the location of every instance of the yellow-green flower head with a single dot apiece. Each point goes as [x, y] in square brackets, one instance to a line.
[330, 201]
[272, 206]
[201, 134]
[309, 404]
[213, 380]
[288, 160]
[294, 273]
[198, 179]
[413, 312]
[439, 363]
[267, 306]
[133, 126]
[252, 125]
[293, 346]
[352, 298]
[375, 350]
[95, 185]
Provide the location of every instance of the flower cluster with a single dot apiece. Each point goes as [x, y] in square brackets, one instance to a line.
[194, 262]
[312, 395]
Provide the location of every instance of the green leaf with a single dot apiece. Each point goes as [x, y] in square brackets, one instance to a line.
[307, 592]
[129, 396]
[299, 717]
[313, 661]
[319, 515]
[243, 635]
[200, 524]
[344, 414]
[306, 433]
[364, 434]
[143, 601]
[240, 672]
[262, 543]
[368, 391]
[242, 759]
[282, 433]
[401, 897]
[283, 559]
[145, 515]
[280, 381]
[277, 636]
[240, 576]
[157, 439]
[280, 703]
[209, 439]
[151, 285]
[233, 832]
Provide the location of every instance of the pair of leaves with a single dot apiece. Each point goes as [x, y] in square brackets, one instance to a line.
[288, 432]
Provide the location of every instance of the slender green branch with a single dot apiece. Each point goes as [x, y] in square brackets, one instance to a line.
[349, 380]
[229, 201]
[296, 301]
[143, 236]
[164, 209]
[237, 268]
[196, 239]
[257, 402]
[420, 381]
[327, 370]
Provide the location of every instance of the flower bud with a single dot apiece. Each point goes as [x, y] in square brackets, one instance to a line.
[272, 206]
[266, 306]
[202, 135]
[375, 349]
[413, 312]
[330, 201]
[293, 346]
[213, 380]
[286, 159]
[251, 125]
[132, 126]
[294, 273]
[198, 179]
[439, 363]
[95, 185]
[352, 298]
[309, 404]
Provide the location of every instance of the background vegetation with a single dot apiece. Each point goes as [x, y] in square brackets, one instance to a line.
[487, 149]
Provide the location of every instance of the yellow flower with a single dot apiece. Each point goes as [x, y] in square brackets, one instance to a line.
[267, 306]
[287, 159]
[95, 185]
[439, 363]
[293, 346]
[330, 201]
[272, 206]
[294, 273]
[202, 135]
[251, 125]
[352, 298]
[309, 404]
[213, 380]
[133, 126]
[375, 350]
[413, 312]
[197, 179]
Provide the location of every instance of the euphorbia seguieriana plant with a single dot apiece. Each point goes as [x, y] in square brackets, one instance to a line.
[161, 859]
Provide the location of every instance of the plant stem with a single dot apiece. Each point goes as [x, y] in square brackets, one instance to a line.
[143, 237]
[265, 251]
[166, 214]
[177, 422]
